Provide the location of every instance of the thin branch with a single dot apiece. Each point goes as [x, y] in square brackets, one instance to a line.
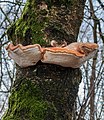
[101, 4]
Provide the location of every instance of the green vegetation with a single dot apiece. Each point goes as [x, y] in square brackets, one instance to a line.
[30, 26]
[26, 103]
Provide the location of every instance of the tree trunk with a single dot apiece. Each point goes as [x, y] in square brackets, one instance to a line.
[45, 91]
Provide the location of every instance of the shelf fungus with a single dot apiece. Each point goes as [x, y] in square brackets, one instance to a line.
[25, 56]
[73, 55]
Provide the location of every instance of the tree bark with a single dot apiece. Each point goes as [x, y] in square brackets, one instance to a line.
[45, 91]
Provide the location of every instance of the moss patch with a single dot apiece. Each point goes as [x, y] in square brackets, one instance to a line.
[29, 28]
[26, 103]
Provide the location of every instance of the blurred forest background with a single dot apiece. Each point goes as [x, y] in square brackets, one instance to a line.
[90, 101]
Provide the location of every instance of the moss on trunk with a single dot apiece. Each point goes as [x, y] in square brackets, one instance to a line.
[45, 91]
[59, 20]
[26, 103]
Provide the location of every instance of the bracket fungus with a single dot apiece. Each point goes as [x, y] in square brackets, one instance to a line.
[25, 56]
[73, 55]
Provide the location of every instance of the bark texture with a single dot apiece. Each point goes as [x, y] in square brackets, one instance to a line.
[45, 91]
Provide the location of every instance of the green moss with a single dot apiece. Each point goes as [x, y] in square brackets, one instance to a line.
[26, 103]
[30, 26]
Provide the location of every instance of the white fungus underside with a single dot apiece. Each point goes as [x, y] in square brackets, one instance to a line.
[25, 58]
[65, 59]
